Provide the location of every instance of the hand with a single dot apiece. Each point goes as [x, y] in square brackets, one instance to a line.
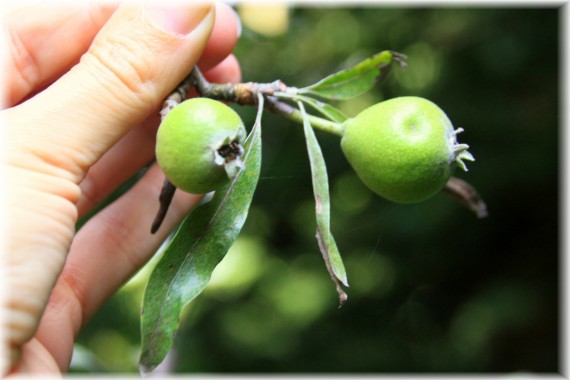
[71, 144]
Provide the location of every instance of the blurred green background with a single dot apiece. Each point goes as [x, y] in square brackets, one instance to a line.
[433, 289]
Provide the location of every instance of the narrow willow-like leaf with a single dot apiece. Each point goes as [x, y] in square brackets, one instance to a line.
[325, 238]
[199, 245]
[351, 82]
[328, 111]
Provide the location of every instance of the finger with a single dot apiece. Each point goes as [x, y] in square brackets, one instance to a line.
[55, 136]
[136, 149]
[42, 47]
[224, 36]
[35, 359]
[131, 66]
[228, 71]
[120, 163]
[107, 251]
[47, 39]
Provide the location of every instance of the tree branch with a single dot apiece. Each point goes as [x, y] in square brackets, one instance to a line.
[165, 198]
[247, 94]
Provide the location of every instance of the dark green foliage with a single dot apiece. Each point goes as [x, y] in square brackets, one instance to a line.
[432, 288]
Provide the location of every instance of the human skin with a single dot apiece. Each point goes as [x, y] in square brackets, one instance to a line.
[85, 82]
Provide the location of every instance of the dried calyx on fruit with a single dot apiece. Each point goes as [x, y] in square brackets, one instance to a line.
[404, 149]
[199, 145]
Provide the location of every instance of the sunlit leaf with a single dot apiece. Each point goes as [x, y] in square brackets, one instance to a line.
[325, 238]
[357, 80]
[199, 245]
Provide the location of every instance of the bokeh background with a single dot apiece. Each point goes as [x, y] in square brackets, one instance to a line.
[433, 288]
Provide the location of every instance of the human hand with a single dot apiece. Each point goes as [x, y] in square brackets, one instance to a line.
[69, 145]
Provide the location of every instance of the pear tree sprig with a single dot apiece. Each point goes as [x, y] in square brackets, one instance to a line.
[341, 85]
[240, 93]
[278, 93]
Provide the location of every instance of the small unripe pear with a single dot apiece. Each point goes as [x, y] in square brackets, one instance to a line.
[404, 149]
[198, 145]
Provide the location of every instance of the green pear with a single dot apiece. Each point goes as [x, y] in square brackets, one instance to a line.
[198, 145]
[404, 149]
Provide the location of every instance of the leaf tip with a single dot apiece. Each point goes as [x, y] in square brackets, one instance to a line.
[145, 370]
[343, 280]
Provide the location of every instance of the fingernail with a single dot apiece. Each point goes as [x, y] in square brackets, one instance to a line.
[177, 17]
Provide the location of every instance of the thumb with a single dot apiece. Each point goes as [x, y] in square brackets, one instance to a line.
[137, 58]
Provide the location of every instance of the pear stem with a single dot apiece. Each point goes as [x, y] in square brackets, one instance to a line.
[467, 196]
[284, 109]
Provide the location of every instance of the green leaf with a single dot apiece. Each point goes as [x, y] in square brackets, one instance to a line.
[325, 109]
[327, 244]
[354, 81]
[199, 245]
